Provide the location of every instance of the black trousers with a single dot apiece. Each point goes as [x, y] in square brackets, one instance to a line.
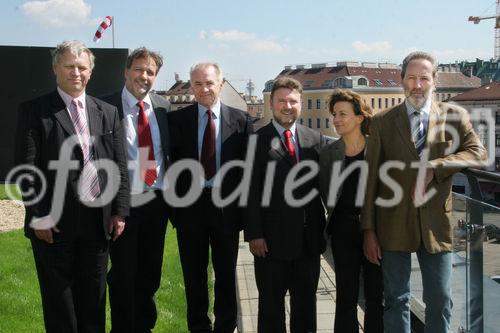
[195, 237]
[274, 278]
[349, 260]
[136, 265]
[72, 273]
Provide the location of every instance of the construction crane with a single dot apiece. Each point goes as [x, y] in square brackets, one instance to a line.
[477, 19]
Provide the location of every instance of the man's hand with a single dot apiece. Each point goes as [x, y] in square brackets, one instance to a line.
[117, 226]
[46, 234]
[371, 247]
[258, 247]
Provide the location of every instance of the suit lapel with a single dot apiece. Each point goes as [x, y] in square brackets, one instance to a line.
[62, 114]
[304, 141]
[227, 129]
[94, 116]
[191, 124]
[279, 151]
[402, 124]
[161, 118]
[434, 129]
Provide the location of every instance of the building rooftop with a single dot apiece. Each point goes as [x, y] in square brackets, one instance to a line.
[457, 80]
[324, 77]
[488, 92]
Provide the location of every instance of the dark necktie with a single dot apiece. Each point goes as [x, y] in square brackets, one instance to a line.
[289, 145]
[417, 132]
[147, 160]
[89, 184]
[208, 148]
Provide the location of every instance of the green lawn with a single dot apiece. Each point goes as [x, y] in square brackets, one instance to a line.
[20, 305]
[14, 191]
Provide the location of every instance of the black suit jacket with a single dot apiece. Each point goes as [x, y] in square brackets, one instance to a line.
[160, 106]
[288, 231]
[43, 125]
[236, 127]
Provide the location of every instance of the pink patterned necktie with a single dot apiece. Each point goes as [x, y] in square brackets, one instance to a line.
[89, 181]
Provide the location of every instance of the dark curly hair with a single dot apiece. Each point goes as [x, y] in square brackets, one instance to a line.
[359, 105]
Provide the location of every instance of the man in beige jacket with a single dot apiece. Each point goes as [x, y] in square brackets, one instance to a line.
[408, 209]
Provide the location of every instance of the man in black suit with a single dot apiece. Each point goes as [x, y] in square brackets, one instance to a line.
[71, 248]
[136, 258]
[286, 237]
[212, 133]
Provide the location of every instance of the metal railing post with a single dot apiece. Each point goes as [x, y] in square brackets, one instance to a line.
[475, 210]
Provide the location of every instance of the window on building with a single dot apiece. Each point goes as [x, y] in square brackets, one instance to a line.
[309, 104]
[448, 96]
[497, 117]
[393, 101]
[309, 123]
[339, 82]
[458, 189]
[386, 103]
[327, 123]
[318, 104]
[399, 100]
[392, 82]
[373, 103]
[377, 82]
[301, 121]
[497, 139]
[362, 82]
[308, 84]
[380, 103]
[318, 123]
[497, 163]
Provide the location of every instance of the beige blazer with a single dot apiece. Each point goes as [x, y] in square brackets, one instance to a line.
[403, 227]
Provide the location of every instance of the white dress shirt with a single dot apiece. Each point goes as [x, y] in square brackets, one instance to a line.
[130, 119]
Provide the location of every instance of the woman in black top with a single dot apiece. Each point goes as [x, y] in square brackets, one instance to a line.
[351, 118]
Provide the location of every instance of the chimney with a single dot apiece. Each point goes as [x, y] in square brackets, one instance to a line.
[176, 75]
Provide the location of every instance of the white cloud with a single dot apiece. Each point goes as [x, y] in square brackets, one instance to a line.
[59, 13]
[362, 47]
[266, 46]
[232, 35]
[246, 40]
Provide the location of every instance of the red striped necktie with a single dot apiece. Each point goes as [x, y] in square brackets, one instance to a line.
[289, 145]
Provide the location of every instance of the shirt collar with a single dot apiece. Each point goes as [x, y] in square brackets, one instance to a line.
[202, 110]
[426, 108]
[281, 130]
[68, 98]
[131, 101]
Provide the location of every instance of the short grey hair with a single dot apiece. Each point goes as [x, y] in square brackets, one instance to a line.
[75, 47]
[204, 65]
[419, 55]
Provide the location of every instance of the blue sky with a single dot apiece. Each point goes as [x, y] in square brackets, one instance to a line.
[256, 39]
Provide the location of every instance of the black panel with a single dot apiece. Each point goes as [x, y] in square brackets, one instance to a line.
[28, 74]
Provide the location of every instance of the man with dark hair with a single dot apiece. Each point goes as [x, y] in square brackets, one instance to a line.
[286, 237]
[136, 258]
[214, 134]
[418, 131]
[71, 252]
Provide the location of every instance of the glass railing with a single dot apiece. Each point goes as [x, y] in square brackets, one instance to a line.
[476, 261]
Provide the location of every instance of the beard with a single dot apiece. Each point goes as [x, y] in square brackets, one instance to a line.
[417, 98]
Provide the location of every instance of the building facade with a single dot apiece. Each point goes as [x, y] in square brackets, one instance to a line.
[378, 83]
